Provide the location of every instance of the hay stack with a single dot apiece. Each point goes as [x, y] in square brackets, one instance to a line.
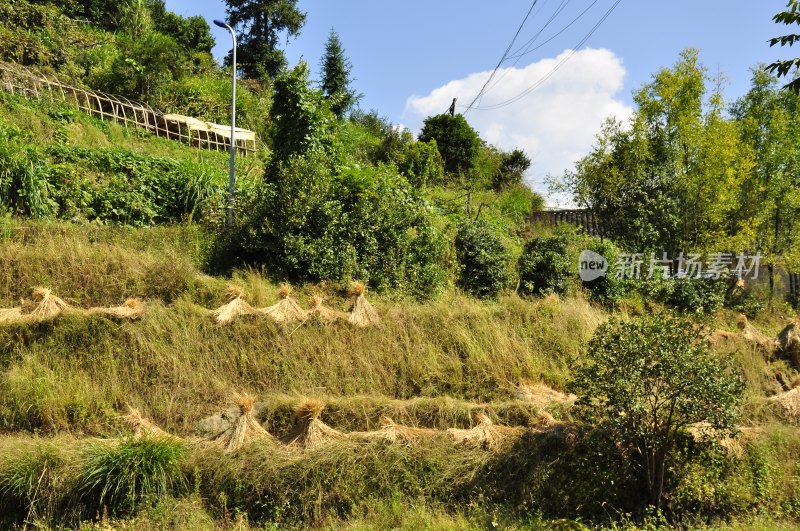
[485, 434]
[789, 402]
[234, 308]
[131, 309]
[44, 305]
[393, 432]
[543, 396]
[246, 428]
[362, 312]
[789, 342]
[285, 310]
[754, 335]
[142, 427]
[311, 432]
[324, 313]
[11, 315]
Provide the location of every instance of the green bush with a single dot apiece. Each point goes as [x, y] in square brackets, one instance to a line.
[121, 476]
[697, 295]
[310, 223]
[458, 143]
[610, 288]
[548, 265]
[483, 259]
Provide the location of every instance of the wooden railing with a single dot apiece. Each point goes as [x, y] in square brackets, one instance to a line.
[28, 82]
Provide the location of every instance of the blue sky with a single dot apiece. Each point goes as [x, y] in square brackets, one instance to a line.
[411, 58]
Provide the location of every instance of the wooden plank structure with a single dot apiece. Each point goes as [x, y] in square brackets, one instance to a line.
[575, 216]
[32, 84]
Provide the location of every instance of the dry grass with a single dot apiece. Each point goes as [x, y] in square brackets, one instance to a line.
[310, 431]
[236, 307]
[245, 430]
[362, 313]
[485, 434]
[323, 313]
[142, 427]
[131, 309]
[396, 433]
[286, 310]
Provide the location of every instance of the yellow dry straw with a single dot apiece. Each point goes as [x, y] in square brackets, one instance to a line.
[142, 427]
[324, 313]
[286, 310]
[396, 433]
[236, 307]
[362, 312]
[310, 431]
[131, 309]
[485, 433]
[246, 429]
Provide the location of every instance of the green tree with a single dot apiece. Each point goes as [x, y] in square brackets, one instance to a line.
[769, 125]
[512, 169]
[645, 382]
[260, 24]
[784, 68]
[458, 143]
[483, 258]
[301, 117]
[336, 80]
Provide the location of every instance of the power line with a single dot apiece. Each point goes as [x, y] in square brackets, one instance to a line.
[505, 54]
[541, 81]
[562, 30]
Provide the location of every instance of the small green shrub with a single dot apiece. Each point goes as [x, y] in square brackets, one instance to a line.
[483, 259]
[122, 476]
[697, 295]
[610, 288]
[548, 265]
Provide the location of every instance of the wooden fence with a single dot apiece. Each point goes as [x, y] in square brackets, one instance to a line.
[32, 84]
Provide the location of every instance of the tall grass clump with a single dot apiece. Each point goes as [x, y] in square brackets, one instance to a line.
[31, 479]
[125, 475]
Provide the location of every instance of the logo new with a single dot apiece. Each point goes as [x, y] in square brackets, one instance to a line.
[591, 266]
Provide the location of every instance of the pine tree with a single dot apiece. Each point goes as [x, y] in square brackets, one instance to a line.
[258, 25]
[336, 79]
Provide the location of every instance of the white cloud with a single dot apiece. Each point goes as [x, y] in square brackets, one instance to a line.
[556, 124]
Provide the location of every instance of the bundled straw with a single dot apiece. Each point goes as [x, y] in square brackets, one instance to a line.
[10, 315]
[44, 305]
[234, 308]
[244, 430]
[486, 433]
[324, 313]
[132, 309]
[362, 313]
[142, 427]
[751, 333]
[285, 310]
[396, 432]
[311, 432]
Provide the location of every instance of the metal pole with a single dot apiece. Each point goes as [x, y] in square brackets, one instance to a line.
[232, 179]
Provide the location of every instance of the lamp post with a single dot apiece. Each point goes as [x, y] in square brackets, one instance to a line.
[232, 180]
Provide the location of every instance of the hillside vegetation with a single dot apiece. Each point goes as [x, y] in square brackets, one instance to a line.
[493, 387]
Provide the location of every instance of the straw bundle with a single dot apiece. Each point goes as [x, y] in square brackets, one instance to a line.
[396, 432]
[246, 428]
[324, 313]
[362, 312]
[789, 342]
[486, 433]
[311, 432]
[9, 315]
[44, 305]
[751, 333]
[142, 427]
[285, 310]
[789, 402]
[542, 395]
[131, 309]
[234, 308]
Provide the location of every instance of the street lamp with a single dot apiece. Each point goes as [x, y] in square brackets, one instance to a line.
[232, 180]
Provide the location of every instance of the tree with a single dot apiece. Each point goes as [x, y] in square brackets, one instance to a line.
[458, 143]
[336, 76]
[259, 24]
[645, 382]
[302, 121]
[783, 68]
[512, 169]
[483, 258]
